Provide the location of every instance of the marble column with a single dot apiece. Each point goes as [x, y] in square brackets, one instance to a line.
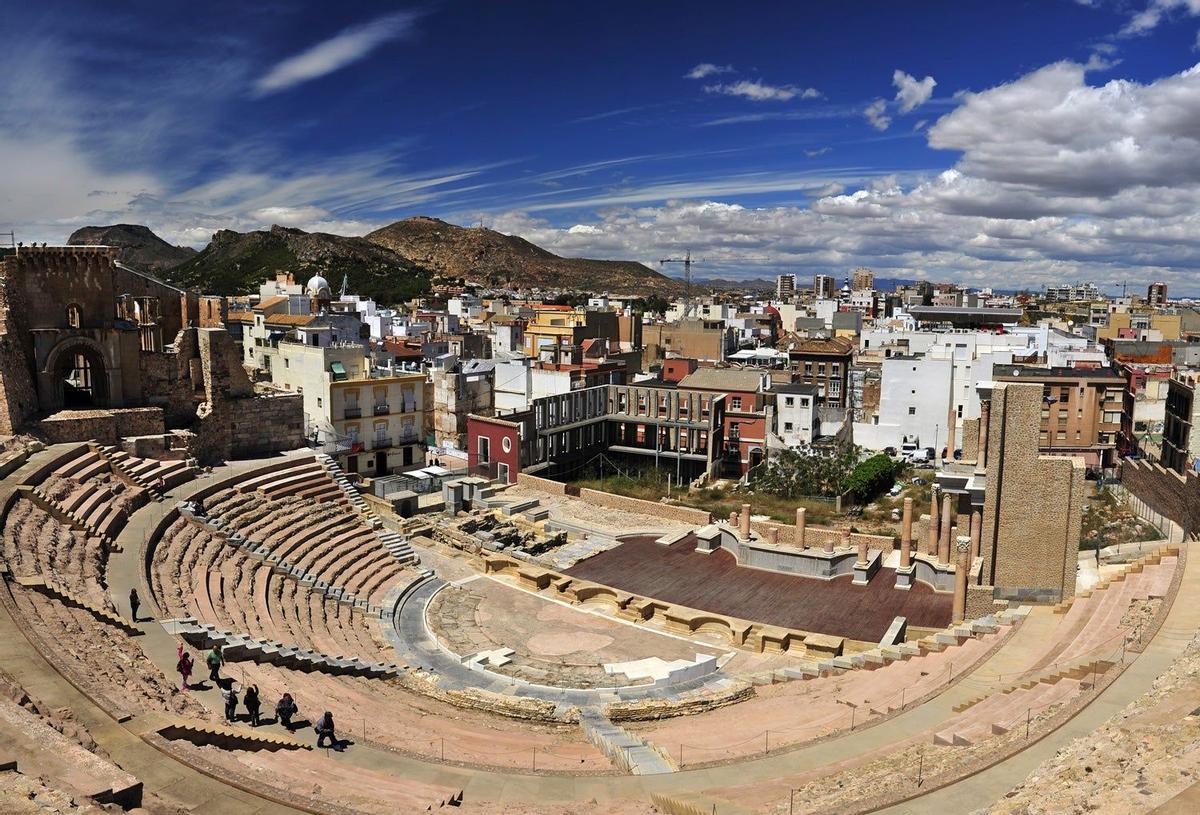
[828, 543]
[845, 538]
[773, 535]
[943, 553]
[862, 552]
[931, 539]
[744, 523]
[963, 550]
[798, 540]
[906, 535]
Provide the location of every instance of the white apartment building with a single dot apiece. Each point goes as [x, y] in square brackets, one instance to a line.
[796, 422]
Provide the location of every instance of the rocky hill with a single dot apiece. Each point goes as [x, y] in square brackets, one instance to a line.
[135, 244]
[488, 257]
[237, 262]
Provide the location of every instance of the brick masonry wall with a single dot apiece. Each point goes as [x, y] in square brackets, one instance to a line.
[815, 536]
[18, 394]
[670, 512]
[541, 484]
[105, 426]
[1167, 492]
[970, 439]
[1033, 511]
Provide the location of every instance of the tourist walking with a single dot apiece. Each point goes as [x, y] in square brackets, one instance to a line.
[325, 730]
[215, 659]
[134, 603]
[285, 709]
[231, 703]
[184, 666]
[253, 704]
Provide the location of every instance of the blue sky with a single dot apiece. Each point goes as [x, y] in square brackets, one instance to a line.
[1007, 143]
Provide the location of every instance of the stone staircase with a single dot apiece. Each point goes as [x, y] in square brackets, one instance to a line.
[52, 507]
[392, 541]
[1078, 671]
[175, 728]
[218, 527]
[883, 654]
[1133, 567]
[693, 804]
[335, 472]
[625, 750]
[237, 647]
[59, 592]
[145, 472]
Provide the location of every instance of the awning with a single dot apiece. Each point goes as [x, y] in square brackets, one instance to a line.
[339, 371]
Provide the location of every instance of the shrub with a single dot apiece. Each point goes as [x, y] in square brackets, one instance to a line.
[871, 477]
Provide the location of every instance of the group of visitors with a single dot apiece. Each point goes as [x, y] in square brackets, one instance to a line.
[285, 709]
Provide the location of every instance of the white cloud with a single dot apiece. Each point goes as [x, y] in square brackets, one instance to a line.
[707, 69]
[1155, 11]
[820, 151]
[1056, 179]
[876, 114]
[335, 53]
[758, 91]
[911, 93]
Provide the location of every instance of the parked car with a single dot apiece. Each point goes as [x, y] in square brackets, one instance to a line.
[896, 490]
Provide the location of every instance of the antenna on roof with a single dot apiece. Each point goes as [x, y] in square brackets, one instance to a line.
[345, 282]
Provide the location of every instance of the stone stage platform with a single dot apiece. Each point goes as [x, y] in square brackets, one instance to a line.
[715, 582]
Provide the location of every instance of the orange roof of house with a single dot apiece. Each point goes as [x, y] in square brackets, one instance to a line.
[268, 302]
[289, 319]
[240, 317]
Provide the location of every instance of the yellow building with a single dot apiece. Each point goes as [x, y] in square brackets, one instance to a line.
[1130, 324]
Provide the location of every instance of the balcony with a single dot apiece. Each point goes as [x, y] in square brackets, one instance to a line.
[382, 410]
[352, 413]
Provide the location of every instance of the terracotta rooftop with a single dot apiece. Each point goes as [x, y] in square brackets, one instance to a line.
[815, 345]
[240, 317]
[270, 302]
[289, 319]
[722, 379]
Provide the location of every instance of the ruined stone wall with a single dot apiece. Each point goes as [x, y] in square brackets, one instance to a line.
[816, 536]
[167, 379]
[970, 439]
[669, 512]
[105, 426]
[1032, 514]
[18, 394]
[1173, 495]
[541, 484]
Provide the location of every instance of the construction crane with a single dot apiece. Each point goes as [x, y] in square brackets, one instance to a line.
[687, 262]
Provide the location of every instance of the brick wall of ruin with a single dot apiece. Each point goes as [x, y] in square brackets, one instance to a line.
[816, 536]
[970, 439]
[105, 426]
[18, 394]
[541, 484]
[1033, 511]
[1170, 494]
[670, 512]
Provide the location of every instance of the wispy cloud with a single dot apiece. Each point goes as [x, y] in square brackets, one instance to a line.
[1155, 11]
[707, 69]
[608, 114]
[911, 92]
[335, 53]
[757, 91]
[876, 114]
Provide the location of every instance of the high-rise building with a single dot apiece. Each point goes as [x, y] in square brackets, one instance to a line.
[785, 286]
[863, 279]
[824, 286]
[1068, 292]
[1156, 294]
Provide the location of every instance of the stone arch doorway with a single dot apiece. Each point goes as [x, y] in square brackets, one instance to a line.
[79, 377]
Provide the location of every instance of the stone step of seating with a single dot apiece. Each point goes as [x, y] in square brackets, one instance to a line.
[335, 471]
[1153, 558]
[64, 595]
[237, 647]
[624, 749]
[694, 804]
[537, 514]
[52, 507]
[399, 547]
[514, 507]
[193, 512]
[1079, 671]
[177, 728]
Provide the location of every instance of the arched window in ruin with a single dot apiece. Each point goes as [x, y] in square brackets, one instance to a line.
[74, 315]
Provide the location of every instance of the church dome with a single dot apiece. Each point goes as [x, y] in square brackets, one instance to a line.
[318, 287]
